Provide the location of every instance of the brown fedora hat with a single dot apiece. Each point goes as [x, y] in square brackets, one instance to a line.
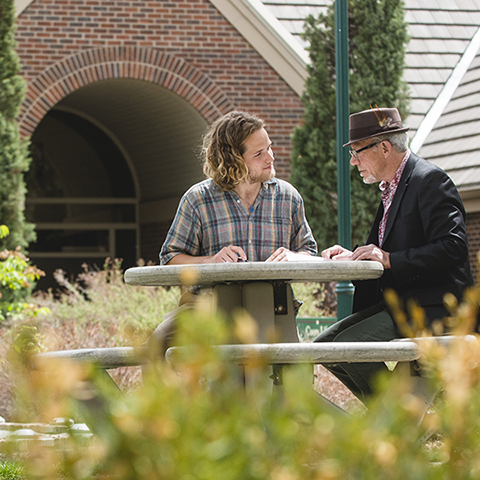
[374, 122]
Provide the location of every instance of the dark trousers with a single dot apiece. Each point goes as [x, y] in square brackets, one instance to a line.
[373, 324]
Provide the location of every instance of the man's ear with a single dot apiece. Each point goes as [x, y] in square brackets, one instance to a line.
[386, 147]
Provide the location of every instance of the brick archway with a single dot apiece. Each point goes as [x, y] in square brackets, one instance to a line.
[147, 64]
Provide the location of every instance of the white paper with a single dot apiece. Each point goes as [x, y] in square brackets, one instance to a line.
[296, 257]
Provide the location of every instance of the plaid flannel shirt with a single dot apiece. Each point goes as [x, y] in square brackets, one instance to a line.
[209, 219]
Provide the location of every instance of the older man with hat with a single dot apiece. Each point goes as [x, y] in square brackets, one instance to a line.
[418, 235]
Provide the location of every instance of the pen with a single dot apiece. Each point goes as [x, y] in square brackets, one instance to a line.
[355, 247]
[240, 259]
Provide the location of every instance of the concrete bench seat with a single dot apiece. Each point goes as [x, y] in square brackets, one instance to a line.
[401, 350]
[313, 353]
[104, 358]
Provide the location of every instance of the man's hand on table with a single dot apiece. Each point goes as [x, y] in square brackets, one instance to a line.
[230, 254]
[337, 252]
[367, 252]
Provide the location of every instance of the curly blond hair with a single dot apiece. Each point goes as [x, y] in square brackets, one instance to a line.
[224, 146]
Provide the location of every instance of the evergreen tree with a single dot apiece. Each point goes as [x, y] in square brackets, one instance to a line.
[14, 155]
[377, 39]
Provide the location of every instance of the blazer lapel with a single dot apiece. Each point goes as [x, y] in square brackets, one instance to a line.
[373, 235]
[397, 199]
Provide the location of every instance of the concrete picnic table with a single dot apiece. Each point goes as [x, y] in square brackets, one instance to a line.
[213, 273]
[261, 288]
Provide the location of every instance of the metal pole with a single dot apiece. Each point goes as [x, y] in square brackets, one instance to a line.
[344, 289]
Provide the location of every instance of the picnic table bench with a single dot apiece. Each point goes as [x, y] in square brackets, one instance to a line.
[401, 350]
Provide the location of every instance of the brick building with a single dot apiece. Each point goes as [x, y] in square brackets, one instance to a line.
[119, 95]
[120, 92]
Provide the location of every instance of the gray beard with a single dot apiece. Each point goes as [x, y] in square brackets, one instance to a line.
[369, 180]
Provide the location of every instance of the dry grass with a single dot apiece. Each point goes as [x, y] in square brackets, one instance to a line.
[68, 335]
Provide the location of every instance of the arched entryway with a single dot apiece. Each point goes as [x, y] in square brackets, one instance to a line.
[111, 159]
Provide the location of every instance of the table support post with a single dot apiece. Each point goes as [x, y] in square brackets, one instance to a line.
[344, 291]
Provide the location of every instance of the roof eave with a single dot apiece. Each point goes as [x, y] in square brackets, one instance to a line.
[269, 38]
[471, 198]
[21, 5]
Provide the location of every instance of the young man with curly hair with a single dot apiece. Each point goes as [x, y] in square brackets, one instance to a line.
[241, 212]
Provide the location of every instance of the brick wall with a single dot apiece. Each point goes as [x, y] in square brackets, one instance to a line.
[186, 46]
[473, 231]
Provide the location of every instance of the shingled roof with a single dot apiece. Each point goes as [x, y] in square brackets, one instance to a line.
[443, 72]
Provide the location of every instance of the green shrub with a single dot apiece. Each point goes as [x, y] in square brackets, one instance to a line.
[319, 299]
[17, 279]
[14, 154]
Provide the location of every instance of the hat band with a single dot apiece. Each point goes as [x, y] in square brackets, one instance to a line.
[371, 130]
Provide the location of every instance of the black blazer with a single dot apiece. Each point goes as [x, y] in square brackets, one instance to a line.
[426, 237]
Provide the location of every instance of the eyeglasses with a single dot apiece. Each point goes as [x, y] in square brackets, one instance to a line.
[354, 153]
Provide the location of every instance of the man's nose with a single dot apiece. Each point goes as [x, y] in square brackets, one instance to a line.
[270, 153]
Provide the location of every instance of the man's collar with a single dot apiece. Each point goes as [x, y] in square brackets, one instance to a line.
[383, 184]
[272, 181]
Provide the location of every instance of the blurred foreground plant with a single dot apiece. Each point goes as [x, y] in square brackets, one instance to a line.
[197, 421]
